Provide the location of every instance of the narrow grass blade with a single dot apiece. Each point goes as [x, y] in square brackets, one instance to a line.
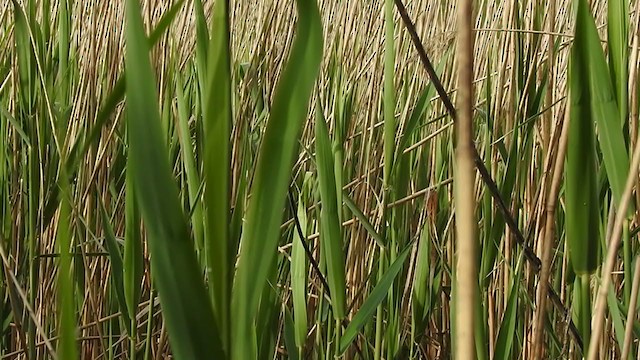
[25, 58]
[355, 210]
[202, 45]
[117, 267]
[217, 172]
[420, 109]
[389, 94]
[64, 35]
[616, 317]
[133, 256]
[290, 339]
[299, 269]
[330, 225]
[190, 169]
[618, 36]
[186, 306]
[421, 279]
[273, 170]
[16, 125]
[506, 334]
[378, 294]
[235, 231]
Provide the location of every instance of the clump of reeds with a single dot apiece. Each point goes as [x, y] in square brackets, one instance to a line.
[319, 179]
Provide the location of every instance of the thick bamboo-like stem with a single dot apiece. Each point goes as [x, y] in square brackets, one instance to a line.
[464, 179]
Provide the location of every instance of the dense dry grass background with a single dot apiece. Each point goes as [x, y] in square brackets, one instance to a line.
[511, 60]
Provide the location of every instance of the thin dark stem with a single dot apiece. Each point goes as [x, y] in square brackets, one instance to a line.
[303, 240]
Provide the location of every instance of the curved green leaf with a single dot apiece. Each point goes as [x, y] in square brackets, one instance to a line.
[273, 171]
[330, 225]
[185, 304]
[378, 294]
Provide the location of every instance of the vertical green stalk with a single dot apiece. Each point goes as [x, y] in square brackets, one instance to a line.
[66, 300]
[67, 347]
[5, 213]
[202, 46]
[149, 340]
[63, 47]
[27, 85]
[379, 310]
[389, 105]
[388, 148]
[133, 259]
[627, 260]
[217, 162]
[584, 317]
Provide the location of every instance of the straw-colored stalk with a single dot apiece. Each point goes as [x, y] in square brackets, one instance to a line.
[464, 178]
[547, 240]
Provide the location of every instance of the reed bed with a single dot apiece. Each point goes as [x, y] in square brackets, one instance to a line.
[319, 179]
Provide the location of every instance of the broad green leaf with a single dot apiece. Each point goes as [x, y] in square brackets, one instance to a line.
[582, 217]
[596, 94]
[260, 235]
[185, 304]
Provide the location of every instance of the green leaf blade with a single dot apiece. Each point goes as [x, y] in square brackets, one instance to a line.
[273, 170]
[186, 306]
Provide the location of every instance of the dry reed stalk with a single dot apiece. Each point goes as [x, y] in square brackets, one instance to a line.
[548, 239]
[464, 190]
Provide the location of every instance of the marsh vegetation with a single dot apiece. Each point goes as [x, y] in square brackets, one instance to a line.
[319, 179]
